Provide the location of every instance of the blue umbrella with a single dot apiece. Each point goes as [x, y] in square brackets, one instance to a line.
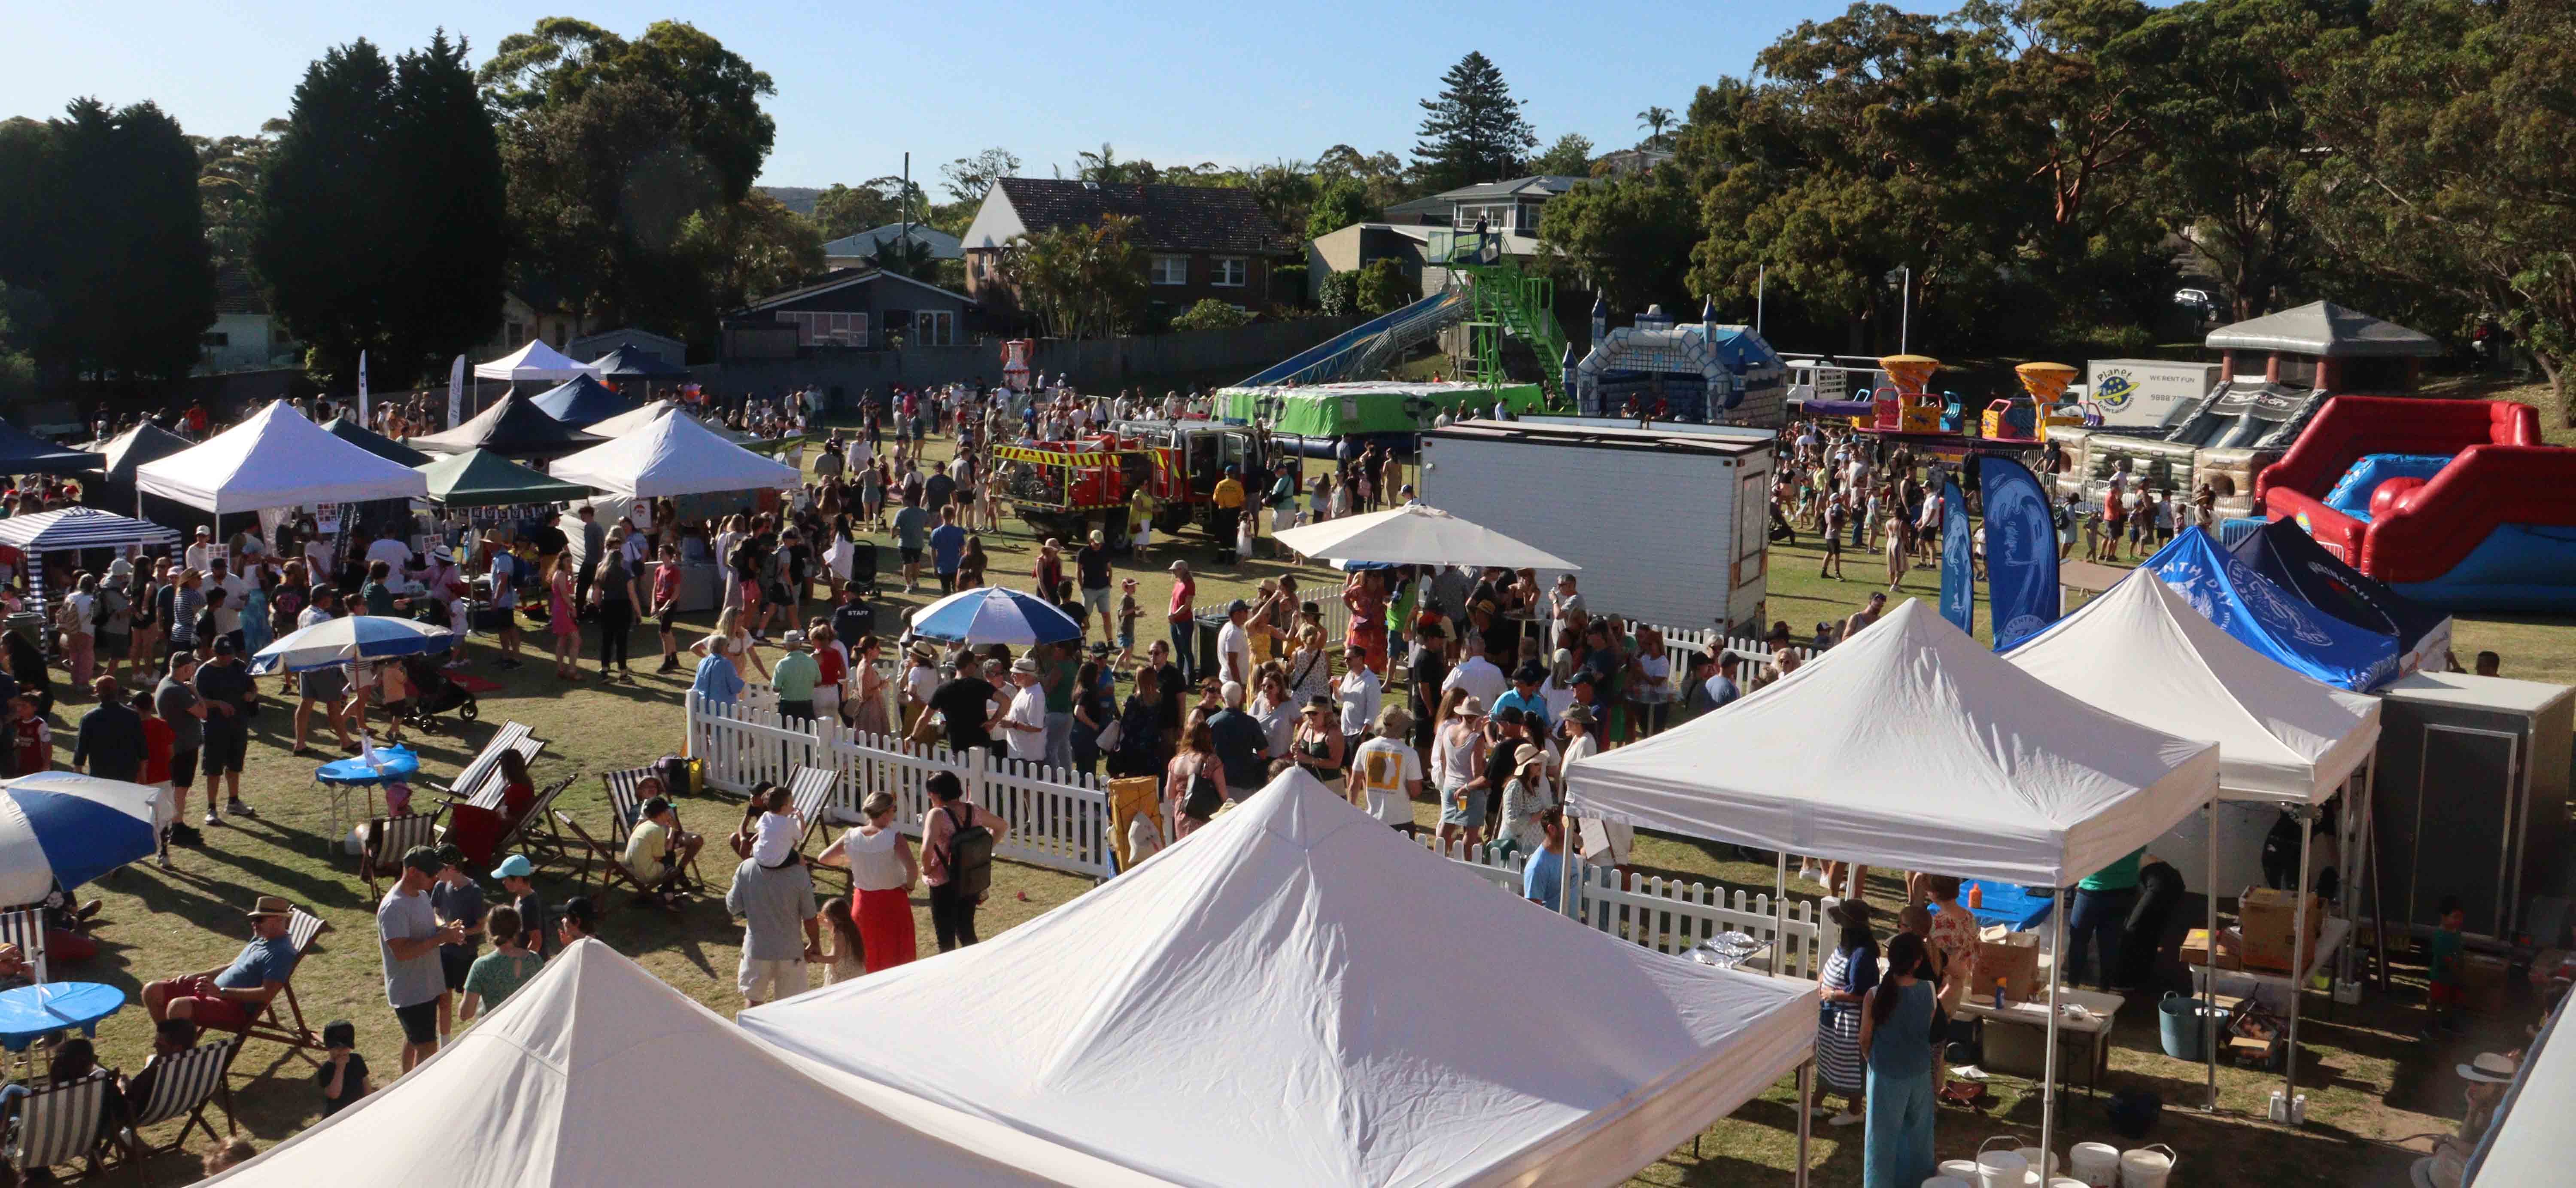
[995, 615]
[354, 637]
[67, 828]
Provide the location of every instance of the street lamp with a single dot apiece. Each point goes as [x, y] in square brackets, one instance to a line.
[1902, 276]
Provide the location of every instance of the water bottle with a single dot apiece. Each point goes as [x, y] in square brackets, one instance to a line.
[1999, 994]
[2299, 1110]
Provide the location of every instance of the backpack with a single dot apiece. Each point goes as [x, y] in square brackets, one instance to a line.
[970, 855]
[1204, 800]
[67, 618]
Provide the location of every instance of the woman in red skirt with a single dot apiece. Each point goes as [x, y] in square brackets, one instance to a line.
[883, 873]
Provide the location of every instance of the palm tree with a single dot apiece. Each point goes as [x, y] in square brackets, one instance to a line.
[1655, 119]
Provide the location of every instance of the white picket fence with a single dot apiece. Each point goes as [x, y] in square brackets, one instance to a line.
[1059, 818]
[1667, 915]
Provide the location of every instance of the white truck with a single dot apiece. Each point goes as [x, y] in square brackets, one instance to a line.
[2145, 393]
[1671, 523]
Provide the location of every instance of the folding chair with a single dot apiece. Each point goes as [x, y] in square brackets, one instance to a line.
[25, 928]
[626, 806]
[470, 781]
[184, 1086]
[387, 839]
[612, 864]
[533, 833]
[59, 1124]
[302, 928]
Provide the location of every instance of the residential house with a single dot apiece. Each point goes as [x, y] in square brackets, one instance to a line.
[661, 346]
[849, 309]
[245, 335]
[1202, 241]
[1361, 244]
[535, 311]
[1508, 209]
[857, 251]
[1421, 212]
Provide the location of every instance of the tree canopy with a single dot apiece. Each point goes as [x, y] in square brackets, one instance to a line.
[1473, 130]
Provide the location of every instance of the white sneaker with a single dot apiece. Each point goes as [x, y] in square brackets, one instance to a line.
[213, 819]
[1968, 1072]
[1845, 1118]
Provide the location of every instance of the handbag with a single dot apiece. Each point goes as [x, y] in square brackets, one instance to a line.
[1111, 734]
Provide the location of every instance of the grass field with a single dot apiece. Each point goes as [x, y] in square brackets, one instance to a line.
[2370, 1083]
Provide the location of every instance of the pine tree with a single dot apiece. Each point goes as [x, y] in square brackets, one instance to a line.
[454, 232]
[1473, 131]
[324, 219]
[104, 235]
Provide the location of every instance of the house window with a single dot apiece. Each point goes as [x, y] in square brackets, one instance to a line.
[518, 336]
[219, 338]
[1171, 270]
[935, 327]
[827, 329]
[1227, 271]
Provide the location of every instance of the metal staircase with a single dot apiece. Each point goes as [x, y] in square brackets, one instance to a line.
[1506, 300]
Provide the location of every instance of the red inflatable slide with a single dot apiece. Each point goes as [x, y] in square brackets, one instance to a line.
[2485, 530]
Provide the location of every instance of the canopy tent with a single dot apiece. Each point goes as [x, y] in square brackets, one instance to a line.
[76, 528]
[542, 1094]
[631, 362]
[513, 427]
[2529, 1141]
[1260, 974]
[120, 455]
[373, 442]
[481, 478]
[1417, 534]
[2282, 738]
[22, 452]
[276, 458]
[581, 401]
[2281, 551]
[535, 361]
[2271, 620]
[674, 455]
[631, 420]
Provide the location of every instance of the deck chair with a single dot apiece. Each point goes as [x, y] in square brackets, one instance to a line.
[611, 862]
[534, 833]
[58, 1124]
[387, 839]
[810, 788]
[183, 1088]
[302, 929]
[25, 928]
[626, 805]
[470, 778]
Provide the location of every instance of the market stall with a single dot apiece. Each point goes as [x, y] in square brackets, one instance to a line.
[532, 363]
[1912, 746]
[632, 369]
[514, 427]
[276, 458]
[542, 1094]
[2140, 652]
[111, 484]
[582, 401]
[22, 452]
[1278, 974]
[672, 456]
[73, 529]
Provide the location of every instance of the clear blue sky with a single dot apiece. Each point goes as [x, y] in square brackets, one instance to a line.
[1229, 82]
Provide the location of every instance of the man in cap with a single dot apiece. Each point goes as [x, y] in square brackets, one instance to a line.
[1023, 723]
[1386, 772]
[536, 919]
[794, 677]
[409, 935]
[1525, 697]
[202, 550]
[1234, 645]
[577, 919]
[229, 693]
[232, 997]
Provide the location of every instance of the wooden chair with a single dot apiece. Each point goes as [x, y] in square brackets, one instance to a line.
[302, 929]
[25, 928]
[184, 1086]
[387, 839]
[810, 788]
[626, 806]
[611, 863]
[534, 833]
[471, 779]
[59, 1124]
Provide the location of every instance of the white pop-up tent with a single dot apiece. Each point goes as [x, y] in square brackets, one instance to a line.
[1912, 746]
[672, 456]
[2141, 652]
[1416, 534]
[631, 420]
[277, 458]
[1298, 995]
[533, 362]
[544, 1093]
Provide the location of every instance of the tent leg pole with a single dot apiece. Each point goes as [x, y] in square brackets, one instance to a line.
[1780, 916]
[2048, 1071]
[2209, 966]
[2299, 945]
[1806, 1115]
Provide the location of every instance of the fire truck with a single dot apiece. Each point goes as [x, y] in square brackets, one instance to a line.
[1189, 458]
[1065, 488]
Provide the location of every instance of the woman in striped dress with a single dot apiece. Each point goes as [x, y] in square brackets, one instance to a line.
[1849, 974]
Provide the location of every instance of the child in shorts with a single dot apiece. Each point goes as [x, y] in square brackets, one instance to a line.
[31, 740]
[1128, 613]
[2446, 999]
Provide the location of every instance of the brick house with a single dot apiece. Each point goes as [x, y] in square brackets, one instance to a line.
[1201, 241]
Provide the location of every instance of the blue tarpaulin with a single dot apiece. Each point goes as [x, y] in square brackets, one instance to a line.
[2272, 620]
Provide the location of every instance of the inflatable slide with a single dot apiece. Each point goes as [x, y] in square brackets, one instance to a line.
[2453, 503]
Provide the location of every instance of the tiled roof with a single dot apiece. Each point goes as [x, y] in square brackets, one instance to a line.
[1544, 185]
[1175, 218]
[942, 245]
[237, 293]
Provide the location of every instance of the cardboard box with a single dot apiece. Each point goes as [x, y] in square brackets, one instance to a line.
[2483, 976]
[2195, 949]
[2265, 920]
[2012, 957]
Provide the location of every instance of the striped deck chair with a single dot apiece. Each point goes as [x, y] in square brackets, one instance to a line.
[302, 929]
[626, 806]
[58, 1124]
[387, 839]
[611, 861]
[25, 928]
[534, 832]
[471, 777]
[811, 790]
[185, 1085]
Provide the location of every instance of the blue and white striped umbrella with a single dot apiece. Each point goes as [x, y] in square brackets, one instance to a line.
[68, 828]
[995, 615]
[353, 637]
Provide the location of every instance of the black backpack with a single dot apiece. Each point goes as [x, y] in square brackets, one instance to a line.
[1203, 799]
[970, 854]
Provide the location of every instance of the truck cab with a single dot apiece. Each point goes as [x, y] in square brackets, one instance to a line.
[1189, 458]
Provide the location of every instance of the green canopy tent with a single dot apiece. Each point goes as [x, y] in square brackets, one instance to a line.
[481, 478]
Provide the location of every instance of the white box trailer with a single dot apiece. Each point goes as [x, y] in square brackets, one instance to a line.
[2145, 393]
[1671, 527]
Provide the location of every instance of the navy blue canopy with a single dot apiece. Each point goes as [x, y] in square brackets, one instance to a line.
[2271, 619]
[581, 402]
[2290, 557]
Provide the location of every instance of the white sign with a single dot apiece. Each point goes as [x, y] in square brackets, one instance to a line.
[2146, 393]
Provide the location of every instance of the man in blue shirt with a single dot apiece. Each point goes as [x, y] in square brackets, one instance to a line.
[1722, 688]
[234, 997]
[717, 680]
[1526, 698]
[1543, 877]
[947, 548]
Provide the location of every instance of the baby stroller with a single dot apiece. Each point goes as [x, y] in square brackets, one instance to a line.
[433, 692]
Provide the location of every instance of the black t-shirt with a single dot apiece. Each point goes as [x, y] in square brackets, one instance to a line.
[849, 622]
[536, 916]
[1503, 643]
[353, 1084]
[1168, 679]
[1240, 739]
[548, 539]
[231, 684]
[964, 701]
[939, 488]
[1430, 671]
[1092, 561]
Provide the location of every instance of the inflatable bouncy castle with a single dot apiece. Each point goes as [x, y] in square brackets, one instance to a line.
[2454, 503]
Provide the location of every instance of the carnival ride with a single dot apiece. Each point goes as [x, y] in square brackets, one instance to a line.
[2454, 503]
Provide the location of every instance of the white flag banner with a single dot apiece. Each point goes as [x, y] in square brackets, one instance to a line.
[456, 394]
[362, 387]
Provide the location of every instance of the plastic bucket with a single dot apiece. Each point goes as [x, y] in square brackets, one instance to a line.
[2185, 1026]
[2031, 1155]
[1962, 1170]
[2146, 1167]
[2004, 1168]
[1947, 1182]
[2096, 1165]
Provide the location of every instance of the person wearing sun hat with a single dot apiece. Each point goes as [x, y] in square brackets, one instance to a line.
[233, 997]
[2489, 1075]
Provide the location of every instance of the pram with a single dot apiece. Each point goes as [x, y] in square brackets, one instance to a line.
[433, 692]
